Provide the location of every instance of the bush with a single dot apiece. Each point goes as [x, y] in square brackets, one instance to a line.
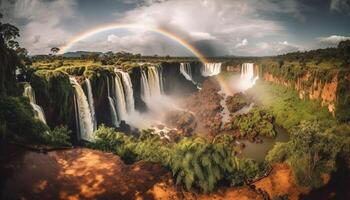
[59, 136]
[18, 122]
[194, 162]
[257, 122]
[310, 153]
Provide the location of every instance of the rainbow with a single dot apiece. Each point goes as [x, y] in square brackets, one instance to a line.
[158, 30]
[161, 31]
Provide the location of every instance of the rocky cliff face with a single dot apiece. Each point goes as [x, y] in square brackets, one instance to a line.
[330, 87]
[311, 87]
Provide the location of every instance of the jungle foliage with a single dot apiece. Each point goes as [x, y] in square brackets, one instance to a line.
[287, 108]
[311, 152]
[194, 162]
[257, 122]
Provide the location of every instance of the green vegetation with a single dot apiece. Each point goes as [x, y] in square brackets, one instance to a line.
[287, 108]
[257, 122]
[194, 161]
[18, 122]
[59, 136]
[55, 94]
[310, 152]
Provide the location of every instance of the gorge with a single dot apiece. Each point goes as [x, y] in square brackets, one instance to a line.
[120, 125]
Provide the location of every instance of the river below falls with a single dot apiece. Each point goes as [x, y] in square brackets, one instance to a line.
[258, 151]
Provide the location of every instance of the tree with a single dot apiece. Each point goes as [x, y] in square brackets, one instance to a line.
[310, 152]
[55, 50]
[9, 60]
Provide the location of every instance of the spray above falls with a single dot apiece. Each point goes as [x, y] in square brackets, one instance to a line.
[211, 69]
[38, 111]
[249, 75]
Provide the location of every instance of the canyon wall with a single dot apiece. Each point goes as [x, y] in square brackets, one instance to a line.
[56, 95]
[329, 86]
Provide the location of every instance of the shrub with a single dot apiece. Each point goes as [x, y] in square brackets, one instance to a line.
[18, 122]
[59, 136]
[256, 122]
[194, 162]
[310, 153]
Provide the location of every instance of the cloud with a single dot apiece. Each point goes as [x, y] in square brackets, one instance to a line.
[219, 20]
[224, 26]
[274, 48]
[40, 22]
[340, 6]
[243, 43]
[332, 40]
[202, 36]
[147, 43]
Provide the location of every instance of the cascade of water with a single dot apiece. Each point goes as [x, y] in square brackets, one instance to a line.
[160, 72]
[154, 81]
[145, 92]
[76, 112]
[120, 98]
[185, 70]
[85, 120]
[130, 103]
[39, 112]
[248, 78]
[91, 102]
[111, 102]
[211, 69]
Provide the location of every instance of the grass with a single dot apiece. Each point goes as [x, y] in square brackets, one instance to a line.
[288, 109]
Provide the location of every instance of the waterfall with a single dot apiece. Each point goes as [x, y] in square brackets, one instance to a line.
[152, 83]
[211, 69]
[145, 92]
[185, 70]
[91, 102]
[111, 103]
[120, 97]
[248, 77]
[130, 103]
[86, 124]
[38, 111]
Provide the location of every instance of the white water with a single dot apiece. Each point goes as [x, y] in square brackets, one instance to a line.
[145, 91]
[91, 102]
[248, 78]
[120, 98]
[186, 71]
[114, 116]
[86, 124]
[211, 69]
[151, 84]
[128, 91]
[154, 82]
[38, 111]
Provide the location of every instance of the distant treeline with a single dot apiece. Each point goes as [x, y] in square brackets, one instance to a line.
[341, 52]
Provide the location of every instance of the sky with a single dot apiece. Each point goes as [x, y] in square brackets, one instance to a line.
[214, 27]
